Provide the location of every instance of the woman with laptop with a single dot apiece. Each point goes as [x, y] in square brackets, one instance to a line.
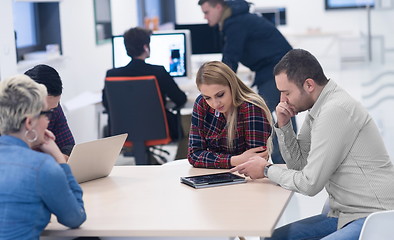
[33, 184]
[230, 122]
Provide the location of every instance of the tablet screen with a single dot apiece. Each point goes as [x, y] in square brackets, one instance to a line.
[212, 179]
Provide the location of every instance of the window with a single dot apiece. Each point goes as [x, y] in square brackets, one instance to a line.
[37, 26]
[158, 11]
[103, 22]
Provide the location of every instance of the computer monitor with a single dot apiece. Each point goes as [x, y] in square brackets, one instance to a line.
[205, 39]
[275, 15]
[346, 4]
[171, 49]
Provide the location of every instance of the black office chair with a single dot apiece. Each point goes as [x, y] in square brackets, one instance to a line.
[135, 106]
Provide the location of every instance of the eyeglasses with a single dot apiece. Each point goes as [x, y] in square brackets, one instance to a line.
[48, 113]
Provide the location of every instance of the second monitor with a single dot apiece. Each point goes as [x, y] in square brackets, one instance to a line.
[171, 49]
[205, 39]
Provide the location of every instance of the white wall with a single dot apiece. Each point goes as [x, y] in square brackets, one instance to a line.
[7, 43]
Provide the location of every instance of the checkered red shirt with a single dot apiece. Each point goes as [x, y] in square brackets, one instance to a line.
[208, 134]
[58, 125]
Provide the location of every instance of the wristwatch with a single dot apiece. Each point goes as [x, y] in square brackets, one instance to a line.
[266, 169]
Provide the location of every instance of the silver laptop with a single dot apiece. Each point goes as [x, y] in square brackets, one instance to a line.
[95, 159]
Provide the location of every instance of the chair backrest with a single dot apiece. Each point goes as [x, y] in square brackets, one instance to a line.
[135, 106]
[378, 225]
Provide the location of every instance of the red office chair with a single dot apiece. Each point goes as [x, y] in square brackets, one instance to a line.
[135, 106]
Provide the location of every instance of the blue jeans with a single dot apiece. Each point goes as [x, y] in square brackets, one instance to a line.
[318, 227]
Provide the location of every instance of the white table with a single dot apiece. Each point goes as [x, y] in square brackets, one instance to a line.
[150, 201]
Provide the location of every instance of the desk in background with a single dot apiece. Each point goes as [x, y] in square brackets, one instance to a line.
[150, 201]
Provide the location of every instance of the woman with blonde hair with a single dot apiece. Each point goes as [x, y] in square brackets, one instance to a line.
[230, 122]
[34, 184]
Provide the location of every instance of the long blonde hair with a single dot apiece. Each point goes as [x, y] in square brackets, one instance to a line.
[216, 72]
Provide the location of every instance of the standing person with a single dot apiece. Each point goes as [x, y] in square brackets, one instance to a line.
[137, 41]
[339, 147]
[33, 184]
[230, 122]
[253, 41]
[58, 125]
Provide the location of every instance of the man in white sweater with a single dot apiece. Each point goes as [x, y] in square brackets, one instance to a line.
[339, 147]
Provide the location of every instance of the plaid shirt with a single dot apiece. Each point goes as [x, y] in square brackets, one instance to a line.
[58, 125]
[208, 134]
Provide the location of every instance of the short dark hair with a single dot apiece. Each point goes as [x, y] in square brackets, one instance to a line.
[211, 2]
[135, 39]
[299, 64]
[47, 76]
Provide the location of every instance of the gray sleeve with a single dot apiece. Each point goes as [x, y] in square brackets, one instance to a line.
[308, 173]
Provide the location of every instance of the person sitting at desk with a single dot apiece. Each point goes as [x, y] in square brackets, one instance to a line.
[339, 148]
[137, 41]
[230, 122]
[48, 76]
[33, 184]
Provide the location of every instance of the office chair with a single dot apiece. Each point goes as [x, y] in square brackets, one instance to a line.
[378, 225]
[135, 106]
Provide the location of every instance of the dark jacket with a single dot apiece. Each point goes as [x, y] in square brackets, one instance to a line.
[168, 87]
[253, 41]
